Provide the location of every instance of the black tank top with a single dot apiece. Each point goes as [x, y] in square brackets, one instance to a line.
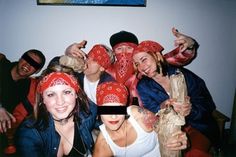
[79, 149]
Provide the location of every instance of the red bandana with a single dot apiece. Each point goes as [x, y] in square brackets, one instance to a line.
[124, 68]
[57, 78]
[110, 92]
[99, 54]
[148, 46]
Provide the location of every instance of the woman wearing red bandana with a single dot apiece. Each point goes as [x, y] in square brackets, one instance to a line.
[62, 122]
[123, 44]
[154, 88]
[131, 134]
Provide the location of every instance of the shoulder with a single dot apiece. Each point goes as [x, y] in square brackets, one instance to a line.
[2, 56]
[144, 117]
[26, 131]
[4, 61]
[89, 119]
[106, 77]
[101, 147]
[191, 76]
[145, 82]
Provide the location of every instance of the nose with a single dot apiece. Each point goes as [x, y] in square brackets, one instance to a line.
[60, 100]
[113, 116]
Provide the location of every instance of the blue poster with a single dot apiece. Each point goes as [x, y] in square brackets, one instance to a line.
[96, 2]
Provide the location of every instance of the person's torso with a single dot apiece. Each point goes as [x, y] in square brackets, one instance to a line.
[145, 145]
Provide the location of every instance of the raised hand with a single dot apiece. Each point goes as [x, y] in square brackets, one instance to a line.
[75, 50]
[182, 41]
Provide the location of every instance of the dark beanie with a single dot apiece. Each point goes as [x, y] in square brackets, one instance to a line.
[123, 36]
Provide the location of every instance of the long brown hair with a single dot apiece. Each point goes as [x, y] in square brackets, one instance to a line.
[41, 115]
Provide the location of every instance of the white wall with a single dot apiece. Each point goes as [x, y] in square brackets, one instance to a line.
[25, 25]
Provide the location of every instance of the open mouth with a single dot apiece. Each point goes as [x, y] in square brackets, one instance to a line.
[25, 69]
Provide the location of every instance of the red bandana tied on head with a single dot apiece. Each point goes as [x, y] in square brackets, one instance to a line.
[111, 92]
[148, 46]
[99, 54]
[57, 78]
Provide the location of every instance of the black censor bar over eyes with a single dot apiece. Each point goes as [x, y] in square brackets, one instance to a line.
[32, 62]
[111, 110]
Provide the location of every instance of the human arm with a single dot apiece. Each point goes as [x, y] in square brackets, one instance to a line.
[75, 50]
[185, 52]
[151, 94]
[147, 120]
[200, 97]
[29, 142]
[101, 148]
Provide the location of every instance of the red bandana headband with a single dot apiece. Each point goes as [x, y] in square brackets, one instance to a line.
[110, 92]
[148, 46]
[99, 54]
[57, 78]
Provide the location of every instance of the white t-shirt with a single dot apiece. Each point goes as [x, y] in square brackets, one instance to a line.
[90, 89]
[146, 144]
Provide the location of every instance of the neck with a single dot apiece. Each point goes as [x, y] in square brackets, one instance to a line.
[158, 76]
[64, 121]
[93, 77]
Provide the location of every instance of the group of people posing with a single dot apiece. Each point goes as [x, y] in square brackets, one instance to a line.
[104, 103]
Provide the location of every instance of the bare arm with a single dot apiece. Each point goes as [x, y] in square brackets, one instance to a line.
[144, 117]
[147, 119]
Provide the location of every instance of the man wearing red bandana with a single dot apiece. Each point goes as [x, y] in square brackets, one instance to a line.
[123, 43]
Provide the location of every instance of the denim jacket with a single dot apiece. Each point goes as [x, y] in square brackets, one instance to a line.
[153, 94]
[33, 142]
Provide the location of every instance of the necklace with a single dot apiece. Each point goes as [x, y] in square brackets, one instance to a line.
[125, 137]
[64, 120]
[83, 154]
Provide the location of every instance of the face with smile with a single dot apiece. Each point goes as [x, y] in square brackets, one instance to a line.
[59, 100]
[113, 122]
[145, 63]
[24, 69]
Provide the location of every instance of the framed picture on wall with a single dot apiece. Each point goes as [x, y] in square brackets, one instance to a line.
[138, 3]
